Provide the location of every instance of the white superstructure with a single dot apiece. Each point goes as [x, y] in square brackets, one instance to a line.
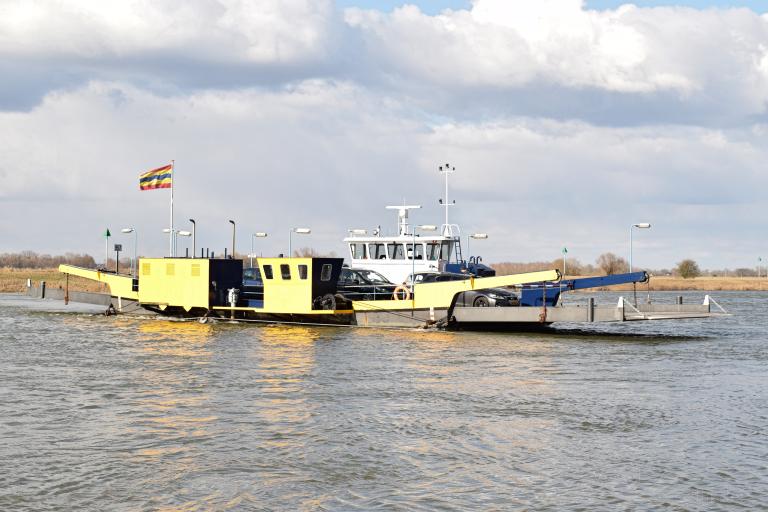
[396, 257]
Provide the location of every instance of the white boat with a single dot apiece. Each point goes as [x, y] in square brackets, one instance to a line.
[396, 257]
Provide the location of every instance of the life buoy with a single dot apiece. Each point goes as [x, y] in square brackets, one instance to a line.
[404, 290]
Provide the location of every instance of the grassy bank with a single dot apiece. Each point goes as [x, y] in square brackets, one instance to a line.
[14, 280]
[672, 283]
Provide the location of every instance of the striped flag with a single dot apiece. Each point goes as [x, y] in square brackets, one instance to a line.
[161, 177]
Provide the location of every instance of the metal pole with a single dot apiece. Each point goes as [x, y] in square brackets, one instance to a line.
[630, 249]
[413, 258]
[171, 235]
[253, 235]
[290, 233]
[194, 246]
[135, 262]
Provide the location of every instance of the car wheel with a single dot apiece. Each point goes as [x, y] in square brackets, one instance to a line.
[481, 302]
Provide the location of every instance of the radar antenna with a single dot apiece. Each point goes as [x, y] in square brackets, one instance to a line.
[402, 217]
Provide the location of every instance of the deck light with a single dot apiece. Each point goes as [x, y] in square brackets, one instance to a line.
[135, 241]
[476, 236]
[300, 231]
[639, 225]
[258, 234]
[233, 237]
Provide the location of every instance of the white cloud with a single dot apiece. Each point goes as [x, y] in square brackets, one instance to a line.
[332, 155]
[287, 31]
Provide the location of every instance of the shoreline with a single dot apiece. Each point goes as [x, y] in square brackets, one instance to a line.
[15, 281]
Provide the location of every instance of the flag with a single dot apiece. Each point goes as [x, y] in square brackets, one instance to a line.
[157, 178]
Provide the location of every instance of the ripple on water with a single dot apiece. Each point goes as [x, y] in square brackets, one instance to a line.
[158, 415]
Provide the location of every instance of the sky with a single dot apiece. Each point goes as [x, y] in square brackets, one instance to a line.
[566, 121]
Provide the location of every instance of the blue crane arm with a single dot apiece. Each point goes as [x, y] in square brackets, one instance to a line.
[539, 294]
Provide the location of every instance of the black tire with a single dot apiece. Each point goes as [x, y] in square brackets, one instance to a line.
[328, 301]
[481, 302]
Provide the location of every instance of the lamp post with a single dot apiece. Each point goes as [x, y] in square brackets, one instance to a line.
[233, 237]
[255, 235]
[423, 227]
[759, 259]
[640, 225]
[135, 242]
[172, 238]
[182, 233]
[300, 231]
[476, 236]
[194, 245]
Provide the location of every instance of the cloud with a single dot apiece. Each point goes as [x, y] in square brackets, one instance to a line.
[331, 155]
[566, 125]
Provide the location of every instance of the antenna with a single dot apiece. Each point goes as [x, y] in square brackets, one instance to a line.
[402, 217]
[445, 170]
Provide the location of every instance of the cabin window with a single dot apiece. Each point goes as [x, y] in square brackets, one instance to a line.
[302, 271]
[445, 253]
[285, 271]
[378, 251]
[396, 251]
[419, 252]
[325, 273]
[195, 270]
[268, 271]
[359, 251]
[145, 268]
[170, 269]
[433, 251]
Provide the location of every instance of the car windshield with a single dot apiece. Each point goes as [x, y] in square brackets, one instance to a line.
[373, 277]
[251, 274]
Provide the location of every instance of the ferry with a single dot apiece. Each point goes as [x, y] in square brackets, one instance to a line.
[307, 291]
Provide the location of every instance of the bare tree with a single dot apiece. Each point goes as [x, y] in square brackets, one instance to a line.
[611, 264]
[688, 269]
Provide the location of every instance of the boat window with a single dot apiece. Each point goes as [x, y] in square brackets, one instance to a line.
[445, 253]
[325, 273]
[358, 250]
[268, 271]
[145, 269]
[396, 251]
[285, 271]
[433, 251]
[302, 271]
[195, 270]
[170, 269]
[378, 251]
[419, 251]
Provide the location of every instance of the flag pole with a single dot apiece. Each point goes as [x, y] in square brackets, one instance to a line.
[171, 234]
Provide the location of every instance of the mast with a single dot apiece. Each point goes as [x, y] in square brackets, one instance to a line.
[445, 171]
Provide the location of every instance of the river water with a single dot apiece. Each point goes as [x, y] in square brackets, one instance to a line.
[126, 413]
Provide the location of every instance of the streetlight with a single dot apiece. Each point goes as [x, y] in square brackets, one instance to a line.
[476, 236]
[255, 235]
[423, 227]
[300, 231]
[640, 225]
[194, 245]
[135, 241]
[182, 233]
[233, 237]
[172, 237]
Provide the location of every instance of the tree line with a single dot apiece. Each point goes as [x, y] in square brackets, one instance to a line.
[30, 259]
[606, 263]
